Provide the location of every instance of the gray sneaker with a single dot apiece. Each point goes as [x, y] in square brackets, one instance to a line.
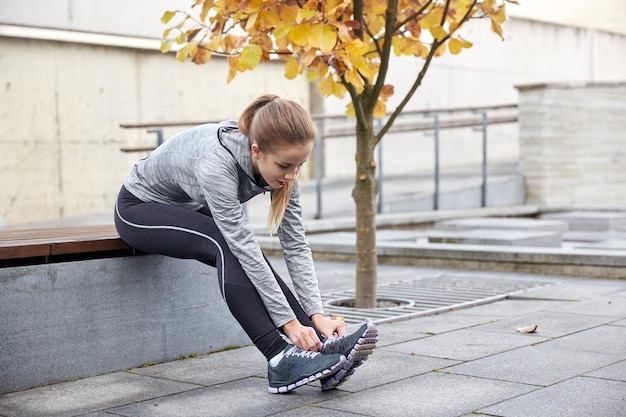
[356, 347]
[298, 367]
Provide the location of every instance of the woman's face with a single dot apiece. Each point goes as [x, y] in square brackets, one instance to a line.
[282, 165]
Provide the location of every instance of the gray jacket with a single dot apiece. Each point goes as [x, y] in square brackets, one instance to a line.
[210, 165]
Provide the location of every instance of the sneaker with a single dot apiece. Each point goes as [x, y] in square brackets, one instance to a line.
[356, 347]
[298, 367]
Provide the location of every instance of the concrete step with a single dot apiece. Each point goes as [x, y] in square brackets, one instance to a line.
[497, 237]
[502, 223]
[598, 221]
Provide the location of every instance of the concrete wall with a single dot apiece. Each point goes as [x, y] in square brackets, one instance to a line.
[61, 105]
[77, 319]
[572, 144]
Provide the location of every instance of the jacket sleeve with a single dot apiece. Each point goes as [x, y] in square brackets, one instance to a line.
[298, 257]
[219, 181]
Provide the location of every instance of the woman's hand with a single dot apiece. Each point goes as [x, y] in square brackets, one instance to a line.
[329, 326]
[303, 337]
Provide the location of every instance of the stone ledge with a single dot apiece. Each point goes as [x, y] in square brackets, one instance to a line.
[107, 315]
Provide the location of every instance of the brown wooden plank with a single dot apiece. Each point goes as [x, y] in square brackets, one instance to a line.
[25, 243]
[100, 245]
[24, 251]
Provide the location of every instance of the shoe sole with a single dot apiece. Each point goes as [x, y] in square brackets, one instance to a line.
[326, 373]
[359, 354]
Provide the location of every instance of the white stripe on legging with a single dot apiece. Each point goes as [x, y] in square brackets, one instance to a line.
[180, 229]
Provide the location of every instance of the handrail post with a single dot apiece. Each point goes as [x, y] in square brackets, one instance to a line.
[483, 186]
[319, 167]
[379, 168]
[435, 116]
[159, 135]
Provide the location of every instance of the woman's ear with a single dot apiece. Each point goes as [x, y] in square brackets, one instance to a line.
[256, 151]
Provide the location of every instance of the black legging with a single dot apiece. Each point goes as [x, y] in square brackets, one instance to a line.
[182, 233]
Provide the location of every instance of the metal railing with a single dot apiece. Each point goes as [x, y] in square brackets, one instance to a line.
[434, 120]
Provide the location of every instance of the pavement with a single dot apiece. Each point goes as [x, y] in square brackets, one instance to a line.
[452, 362]
[457, 363]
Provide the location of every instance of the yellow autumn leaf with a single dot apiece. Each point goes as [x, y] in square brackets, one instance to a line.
[299, 35]
[250, 56]
[251, 22]
[305, 15]
[322, 37]
[432, 19]
[350, 110]
[166, 45]
[253, 6]
[201, 55]
[438, 32]
[497, 28]
[328, 39]
[454, 45]
[167, 16]
[465, 43]
[380, 109]
[325, 86]
[186, 51]
[500, 15]
[292, 68]
[232, 68]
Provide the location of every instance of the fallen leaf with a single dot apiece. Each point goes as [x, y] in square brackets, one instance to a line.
[527, 329]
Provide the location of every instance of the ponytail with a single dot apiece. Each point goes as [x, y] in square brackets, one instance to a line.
[271, 121]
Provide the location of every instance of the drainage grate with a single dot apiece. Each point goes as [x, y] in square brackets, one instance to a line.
[430, 295]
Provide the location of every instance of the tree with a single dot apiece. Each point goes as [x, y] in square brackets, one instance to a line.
[346, 46]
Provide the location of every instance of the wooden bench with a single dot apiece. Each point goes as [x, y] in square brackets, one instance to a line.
[45, 245]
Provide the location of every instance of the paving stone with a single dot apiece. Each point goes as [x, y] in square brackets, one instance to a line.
[89, 394]
[386, 366]
[550, 324]
[590, 220]
[466, 345]
[435, 394]
[609, 305]
[507, 223]
[615, 372]
[421, 327]
[497, 237]
[313, 411]
[544, 364]
[602, 339]
[246, 397]
[577, 397]
[574, 289]
[512, 307]
[211, 369]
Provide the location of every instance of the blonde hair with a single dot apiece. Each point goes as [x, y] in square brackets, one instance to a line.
[271, 121]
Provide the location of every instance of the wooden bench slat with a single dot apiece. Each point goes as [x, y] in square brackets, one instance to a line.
[100, 245]
[26, 243]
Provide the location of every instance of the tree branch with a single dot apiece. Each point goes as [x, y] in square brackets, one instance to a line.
[418, 81]
[390, 17]
[413, 16]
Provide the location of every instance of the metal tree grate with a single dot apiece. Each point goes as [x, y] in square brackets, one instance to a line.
[429, 295]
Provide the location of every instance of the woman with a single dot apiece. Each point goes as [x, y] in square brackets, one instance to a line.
[185, 200]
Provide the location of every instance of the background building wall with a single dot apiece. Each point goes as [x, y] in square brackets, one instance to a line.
[573, 155]
[73, 70]
[61, 109]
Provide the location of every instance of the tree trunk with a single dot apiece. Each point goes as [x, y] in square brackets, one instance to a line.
[364, 195]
